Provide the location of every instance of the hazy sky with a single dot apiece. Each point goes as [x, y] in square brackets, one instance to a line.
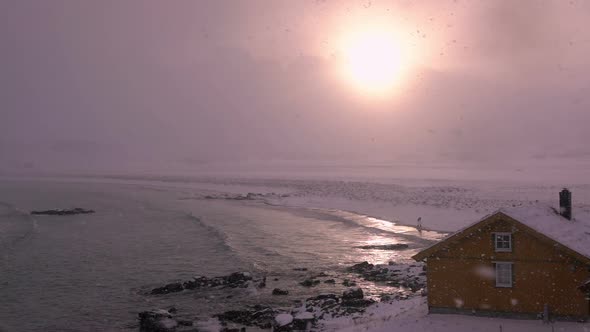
[105, 82]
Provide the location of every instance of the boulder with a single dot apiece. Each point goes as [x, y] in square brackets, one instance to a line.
[361, 267]
[303, 321]
[156, 321]
[283, 323]
[238, 277]
[353, 294]
[278, 291]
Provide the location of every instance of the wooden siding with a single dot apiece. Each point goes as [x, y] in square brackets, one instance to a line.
[461, 274]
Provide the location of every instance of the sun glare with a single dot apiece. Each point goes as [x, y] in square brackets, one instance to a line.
[372, 61]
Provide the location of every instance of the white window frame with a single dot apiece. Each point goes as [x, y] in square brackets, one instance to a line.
[497, 272]
[509, 249]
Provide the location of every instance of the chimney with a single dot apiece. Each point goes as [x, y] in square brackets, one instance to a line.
[565, 204]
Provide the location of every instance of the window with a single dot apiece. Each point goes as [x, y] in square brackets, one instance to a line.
[503, 242]
[503, 274]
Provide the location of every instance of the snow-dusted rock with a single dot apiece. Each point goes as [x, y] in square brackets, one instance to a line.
[353, 294]
[283, 319]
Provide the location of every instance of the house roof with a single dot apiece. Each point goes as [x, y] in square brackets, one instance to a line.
[542, 219]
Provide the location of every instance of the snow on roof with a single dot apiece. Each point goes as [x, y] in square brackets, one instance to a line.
[574, 234]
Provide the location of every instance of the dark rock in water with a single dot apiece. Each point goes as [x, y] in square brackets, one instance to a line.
[169, 288]
[238, 277]
[309, 282]
[396, 246]
[300, 269]
[278, 291]
[361, 267]
[156, 321]
[330, 281]
[234, 280]
[183, 322]
[62, 212]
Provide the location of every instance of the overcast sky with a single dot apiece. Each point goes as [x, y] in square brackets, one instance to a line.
[106, 82]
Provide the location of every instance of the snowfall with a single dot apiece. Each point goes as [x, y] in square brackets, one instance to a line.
[443, 203]
[444, 199]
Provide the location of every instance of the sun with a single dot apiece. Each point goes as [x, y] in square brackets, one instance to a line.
[372, 61]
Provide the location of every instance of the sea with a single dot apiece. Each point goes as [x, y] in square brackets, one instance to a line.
[93, 272]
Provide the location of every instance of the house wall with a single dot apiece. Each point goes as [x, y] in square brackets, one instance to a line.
[462, 275]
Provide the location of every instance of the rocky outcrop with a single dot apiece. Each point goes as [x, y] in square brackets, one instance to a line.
[234, 280]
[62, 212]
[260, 316]
[354, 297]
[411, 276]
[361, 267]
[160, 321]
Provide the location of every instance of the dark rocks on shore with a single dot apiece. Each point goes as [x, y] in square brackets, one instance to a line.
[157, 321]
[234, 280]
[353, 294]
[309, 282]
[396, 246]
[283, 323]
[348, 283]
[278, 291]
[335, 306]
[394, 275]
[361, 267]
[260, 316]
[413, 284]
[62, 212]
[330, 281]
[354, 297]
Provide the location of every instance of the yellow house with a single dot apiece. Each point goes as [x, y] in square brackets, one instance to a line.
[522, 262]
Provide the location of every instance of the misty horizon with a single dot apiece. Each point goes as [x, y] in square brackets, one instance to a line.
[109, 85]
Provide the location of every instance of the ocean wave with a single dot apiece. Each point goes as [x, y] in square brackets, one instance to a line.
[16, 226]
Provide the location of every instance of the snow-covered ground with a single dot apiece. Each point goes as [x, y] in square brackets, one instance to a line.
[412, 316]
[443, 205]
